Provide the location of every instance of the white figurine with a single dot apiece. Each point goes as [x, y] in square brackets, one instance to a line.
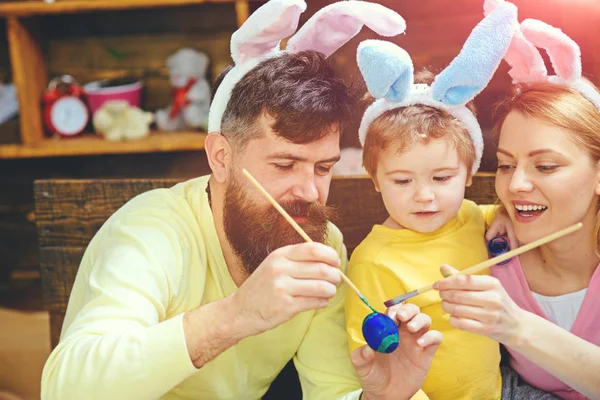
[350, 162]
[191, 95]
[117, 120]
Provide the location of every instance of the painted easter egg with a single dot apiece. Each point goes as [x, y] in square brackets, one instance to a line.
[499, 245]
[380, 332]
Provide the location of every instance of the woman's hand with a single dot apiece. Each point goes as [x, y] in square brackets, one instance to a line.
[479, 304]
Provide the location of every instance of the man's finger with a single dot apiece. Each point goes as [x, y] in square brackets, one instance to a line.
[316, 252]
[315, 271]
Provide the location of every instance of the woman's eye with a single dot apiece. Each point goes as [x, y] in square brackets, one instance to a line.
[504, 167]
[547, 168]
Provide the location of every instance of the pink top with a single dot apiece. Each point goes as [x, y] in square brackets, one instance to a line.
[586, 326]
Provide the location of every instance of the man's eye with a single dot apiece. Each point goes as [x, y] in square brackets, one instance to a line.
[323, 169]
[284, 167]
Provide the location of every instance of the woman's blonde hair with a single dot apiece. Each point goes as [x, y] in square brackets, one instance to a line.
[560, 106]
[406, 126]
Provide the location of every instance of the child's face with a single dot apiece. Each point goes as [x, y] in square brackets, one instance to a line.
[424, 186]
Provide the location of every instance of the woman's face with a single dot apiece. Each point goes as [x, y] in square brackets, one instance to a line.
[545, 181]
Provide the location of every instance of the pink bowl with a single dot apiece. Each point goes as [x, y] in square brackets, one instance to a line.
[97, 93]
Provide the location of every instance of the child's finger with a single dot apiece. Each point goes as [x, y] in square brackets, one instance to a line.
[403, 312]
[430, 340]
[420, 321]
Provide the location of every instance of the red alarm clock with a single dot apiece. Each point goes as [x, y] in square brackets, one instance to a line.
[64, 110]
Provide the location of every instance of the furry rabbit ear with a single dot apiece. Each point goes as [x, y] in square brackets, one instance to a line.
[479, 58]
[525, 60]
[262, 32]
[386, 68]
[563, 52]
[331, 27]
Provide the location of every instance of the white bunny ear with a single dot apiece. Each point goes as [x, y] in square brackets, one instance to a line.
[333, 26]
[265, 28]
[563, 52]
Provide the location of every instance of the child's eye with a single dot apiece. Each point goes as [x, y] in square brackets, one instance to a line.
[441, 178]
[401, 181]
[284, 167]
[547, 168]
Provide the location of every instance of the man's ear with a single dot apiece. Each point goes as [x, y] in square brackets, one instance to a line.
[218, 151]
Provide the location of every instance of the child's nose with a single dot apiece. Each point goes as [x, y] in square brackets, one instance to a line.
[424, 193]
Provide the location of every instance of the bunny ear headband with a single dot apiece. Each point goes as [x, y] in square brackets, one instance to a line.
[330, 28]
[527, 63]
[388, 72]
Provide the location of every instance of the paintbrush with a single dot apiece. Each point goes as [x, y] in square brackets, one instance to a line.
[490, 262]
[300, 231]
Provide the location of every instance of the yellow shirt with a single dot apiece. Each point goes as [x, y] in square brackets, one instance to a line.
[153, 260]
[391, 262]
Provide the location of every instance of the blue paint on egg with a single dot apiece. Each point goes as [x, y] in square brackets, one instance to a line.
[499, 245]
[381, 333]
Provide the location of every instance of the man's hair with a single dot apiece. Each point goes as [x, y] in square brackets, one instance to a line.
[297, 91]
[418, 123]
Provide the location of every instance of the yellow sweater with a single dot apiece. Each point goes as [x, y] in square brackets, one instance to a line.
[153, 260]
[391, 262]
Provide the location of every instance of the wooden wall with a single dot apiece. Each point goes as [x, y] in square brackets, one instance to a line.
[94, 46]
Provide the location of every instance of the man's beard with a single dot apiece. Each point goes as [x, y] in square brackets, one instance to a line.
[254, 231]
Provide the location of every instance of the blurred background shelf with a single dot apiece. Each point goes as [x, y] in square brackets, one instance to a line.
[90, 144]
[29, 8]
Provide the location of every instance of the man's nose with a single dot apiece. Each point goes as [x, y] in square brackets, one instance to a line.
[307, 189]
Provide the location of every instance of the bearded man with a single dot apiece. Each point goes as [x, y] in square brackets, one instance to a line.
[203, 291]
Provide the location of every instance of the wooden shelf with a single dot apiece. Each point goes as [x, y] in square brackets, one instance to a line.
[90, 144]
[38, 7]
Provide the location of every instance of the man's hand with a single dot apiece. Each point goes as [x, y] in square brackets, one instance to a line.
[399, 375]
[292, 279]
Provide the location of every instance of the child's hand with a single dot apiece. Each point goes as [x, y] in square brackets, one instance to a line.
[479, 304]
[399, 375]
[502, 226]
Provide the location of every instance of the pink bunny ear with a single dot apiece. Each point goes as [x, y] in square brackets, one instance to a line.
[264, 29]
[563, 52]
[526, 61]
[333, 26]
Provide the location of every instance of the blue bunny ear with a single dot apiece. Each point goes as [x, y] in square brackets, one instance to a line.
[473, 68]
[386, 68]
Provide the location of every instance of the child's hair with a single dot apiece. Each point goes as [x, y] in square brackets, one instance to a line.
[418, 123]
[560, 106]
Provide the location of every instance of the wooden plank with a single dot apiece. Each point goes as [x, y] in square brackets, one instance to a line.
[29, 74]
[242, 11]
[58, 266]
[90, 144]
[69, 212]
[30, 8]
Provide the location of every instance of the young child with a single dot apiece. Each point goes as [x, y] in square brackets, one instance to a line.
[422, 145]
